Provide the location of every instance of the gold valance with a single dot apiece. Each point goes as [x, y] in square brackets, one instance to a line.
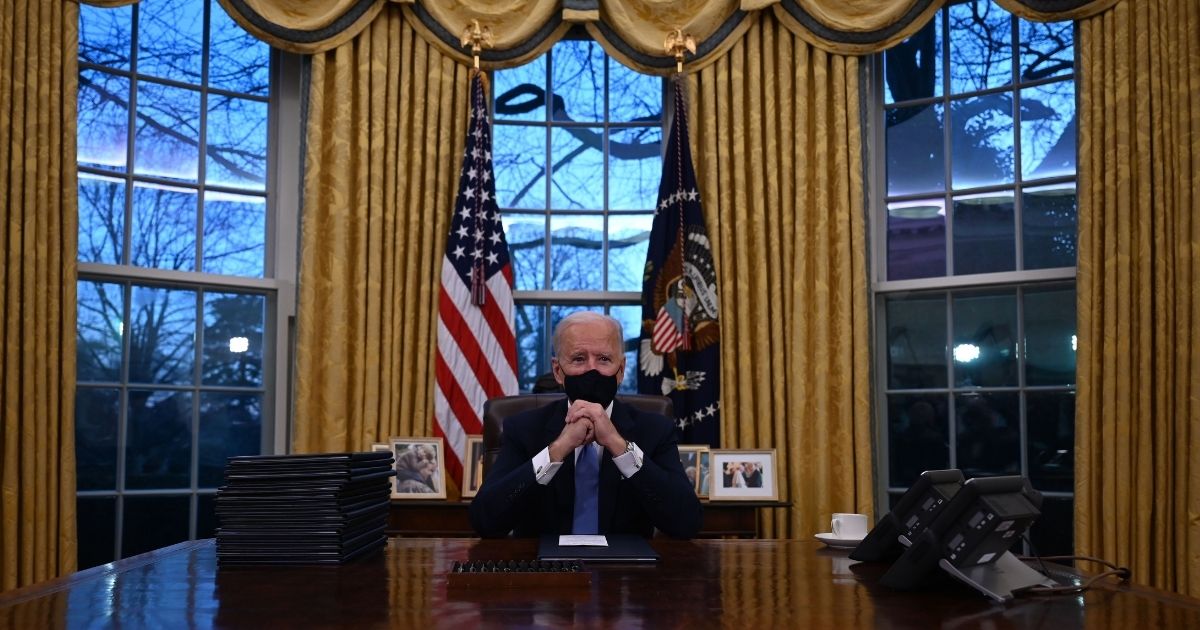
[633, 31]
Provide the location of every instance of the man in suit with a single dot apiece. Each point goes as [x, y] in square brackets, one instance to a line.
[533, 487]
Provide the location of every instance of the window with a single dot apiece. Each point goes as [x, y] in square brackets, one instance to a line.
[578, 157]
[178, 284]
[974, 262]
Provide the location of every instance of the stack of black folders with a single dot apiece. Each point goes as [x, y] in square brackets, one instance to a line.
[325, 508]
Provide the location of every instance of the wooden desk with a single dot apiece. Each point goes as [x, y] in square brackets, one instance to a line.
[706, 583]
[422, 519]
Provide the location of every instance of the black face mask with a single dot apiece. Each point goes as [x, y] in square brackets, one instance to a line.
[591, 386]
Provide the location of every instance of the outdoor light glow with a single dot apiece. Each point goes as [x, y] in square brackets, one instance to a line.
[239, 344]
[1074, 343]
[966, 352]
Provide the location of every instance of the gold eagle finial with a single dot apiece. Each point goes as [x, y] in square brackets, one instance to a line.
[477, 37]
[677, 43]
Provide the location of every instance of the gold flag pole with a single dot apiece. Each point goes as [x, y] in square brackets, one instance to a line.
[477, 37]
[678, 42]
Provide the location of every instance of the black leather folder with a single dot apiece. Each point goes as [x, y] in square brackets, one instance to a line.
[621, 548]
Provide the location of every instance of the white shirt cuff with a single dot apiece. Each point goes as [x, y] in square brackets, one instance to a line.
[629, 462]
[543, 468]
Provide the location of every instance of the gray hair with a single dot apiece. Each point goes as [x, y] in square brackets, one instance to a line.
[588, 317]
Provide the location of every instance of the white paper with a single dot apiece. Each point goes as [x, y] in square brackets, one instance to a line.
[573, 540]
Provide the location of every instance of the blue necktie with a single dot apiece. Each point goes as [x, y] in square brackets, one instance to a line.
[587, 484]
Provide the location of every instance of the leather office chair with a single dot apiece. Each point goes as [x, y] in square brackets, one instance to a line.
[497, 409]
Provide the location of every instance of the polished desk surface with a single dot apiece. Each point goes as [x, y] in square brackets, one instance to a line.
[744, 583]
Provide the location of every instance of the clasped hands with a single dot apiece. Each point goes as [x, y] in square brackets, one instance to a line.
[586, 422]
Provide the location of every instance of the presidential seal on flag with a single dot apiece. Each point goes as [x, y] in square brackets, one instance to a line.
[685, 305]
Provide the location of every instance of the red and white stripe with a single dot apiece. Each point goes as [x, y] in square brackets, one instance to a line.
[476, 358]
[667, 337]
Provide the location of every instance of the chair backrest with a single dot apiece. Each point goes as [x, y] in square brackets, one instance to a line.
[497, 409]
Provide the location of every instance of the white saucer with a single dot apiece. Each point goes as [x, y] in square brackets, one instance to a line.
[838, 543]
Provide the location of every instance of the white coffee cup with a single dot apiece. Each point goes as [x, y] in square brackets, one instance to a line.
[849, 525]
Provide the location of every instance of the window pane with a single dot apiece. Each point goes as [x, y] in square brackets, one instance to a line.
[96, 415]
[916, 239]
[634, 168]
[578, 76]
[577, 182]
[532, 356]
[631, 323]
[101, 219]
[1048, 130]
[576, 262]
[105, 36]
[96, 519]
[230, 425]
[916, 338]
[171, 39]
[158, 442]
[519, 159]
[1050, 424]
[915, 156]
[1047, 49]
[989, 433]
[917, 436]
[521, 92]
[1048, 217]
[99, 325]
[236, 60]
[103, 124]
[153, 523]
[985, 328]
[164, 227]
[628, 242]
[235, 234]
[526, 237]
[166, 140]
[206, 516]
[912, 69]
[633, 96]
[980, 47]
[162, 339]
[237, 143]
[1050, 339]
[233, 339]
[984, 233]
[1054, 532]
[981, 145]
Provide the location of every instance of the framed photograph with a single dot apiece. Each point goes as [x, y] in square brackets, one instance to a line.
[743, 475]
[473, 475]
[690, 457]
[705, 472]
[420, 468]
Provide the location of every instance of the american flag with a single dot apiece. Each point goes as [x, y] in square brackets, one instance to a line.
[477, 350]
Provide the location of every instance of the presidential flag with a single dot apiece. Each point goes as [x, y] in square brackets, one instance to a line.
[679, 354]
[477, 350]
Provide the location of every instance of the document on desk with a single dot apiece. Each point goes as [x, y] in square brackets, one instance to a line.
[613, 548]
[582, 540]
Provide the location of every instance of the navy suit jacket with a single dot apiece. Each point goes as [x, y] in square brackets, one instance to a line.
[658, 496]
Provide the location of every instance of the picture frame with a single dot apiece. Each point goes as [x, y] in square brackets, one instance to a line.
[420, 468]
[473, 474]
[705, 472]
[757, 471]
[691, 457]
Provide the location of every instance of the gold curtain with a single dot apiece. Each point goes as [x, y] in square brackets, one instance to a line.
[387, 117]
[1137, 419]
[38, 77]
[778, 147]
